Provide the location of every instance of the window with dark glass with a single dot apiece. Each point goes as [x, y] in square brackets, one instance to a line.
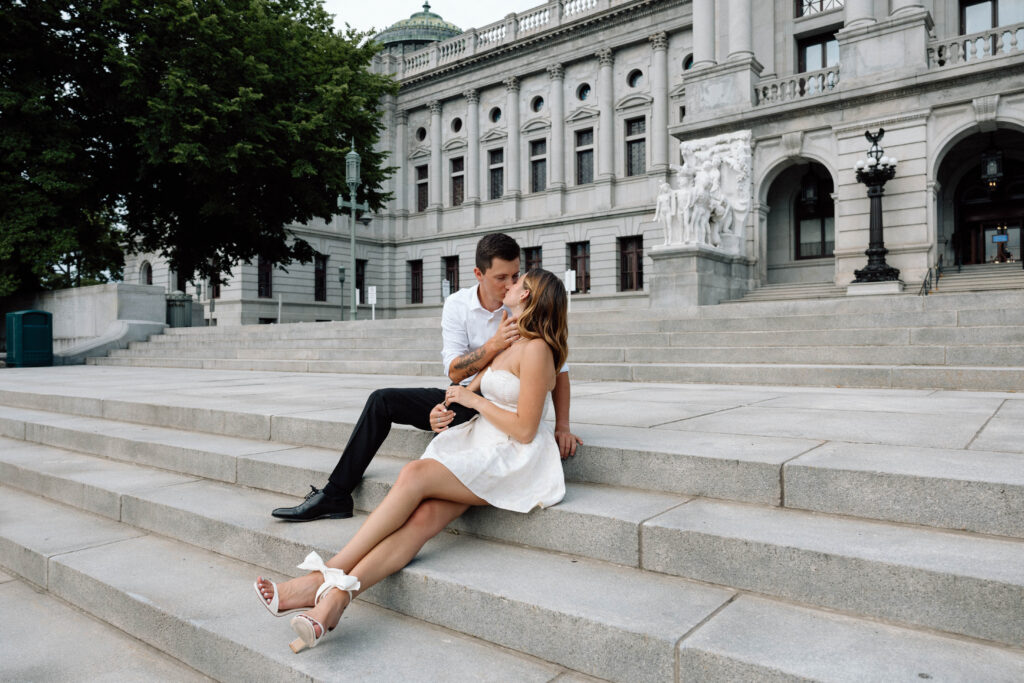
[532, 258]
[416, 282]
[579, 261]
[806, 8]
[458, 180]
[817, 52]
[264, 279]
[495, 173]
[585, 156]
[538, 165]
[451, 272]
[422, 189]
[215, 283]
[361, 279]
[319, 277]
[978, 16]
[631, 263]
[814, 216]
[147, 274]
[181, 282]
[583, 92]
[636, 146]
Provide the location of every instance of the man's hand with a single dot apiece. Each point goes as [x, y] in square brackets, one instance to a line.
[567, 442]
[508, 332]
[440, 418]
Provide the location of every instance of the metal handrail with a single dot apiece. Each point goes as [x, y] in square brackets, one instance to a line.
[932, 274]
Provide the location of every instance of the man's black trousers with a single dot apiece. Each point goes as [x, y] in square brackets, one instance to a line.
[384, 408]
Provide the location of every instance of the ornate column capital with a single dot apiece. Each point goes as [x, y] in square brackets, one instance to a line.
[472, 96]
[511, 84]
[659, 41]
[435, 107]
[556, 72]
[605, 56]
[402, 117]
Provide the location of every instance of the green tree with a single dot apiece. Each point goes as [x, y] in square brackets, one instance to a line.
[202, 128]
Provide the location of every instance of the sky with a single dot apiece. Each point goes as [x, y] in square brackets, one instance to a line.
[379, 14]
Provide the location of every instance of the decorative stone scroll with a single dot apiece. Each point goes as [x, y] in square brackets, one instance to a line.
[709, 197]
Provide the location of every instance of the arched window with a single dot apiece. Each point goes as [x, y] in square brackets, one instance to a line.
[146, 274]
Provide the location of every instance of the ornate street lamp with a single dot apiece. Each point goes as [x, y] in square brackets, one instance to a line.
[875, 171]
[341, 279]
[352, 175]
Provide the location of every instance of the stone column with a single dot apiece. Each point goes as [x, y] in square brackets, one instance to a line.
[740, 40]
[606, 116]
[899, 6]
[435, 155]
[659, 112]
[859, 12]
[703, 33]
[512, 181]
[473, 145]
[400, 160]
[556, 98]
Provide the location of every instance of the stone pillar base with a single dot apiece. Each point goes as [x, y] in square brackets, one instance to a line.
[868, 288]
[697, 275]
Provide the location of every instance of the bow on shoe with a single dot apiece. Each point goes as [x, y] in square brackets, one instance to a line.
[333, 578]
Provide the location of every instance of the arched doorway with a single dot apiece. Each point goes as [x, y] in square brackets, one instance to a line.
[982, 202]
[801, 225]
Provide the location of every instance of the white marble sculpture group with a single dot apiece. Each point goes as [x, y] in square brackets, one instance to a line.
[709, 197]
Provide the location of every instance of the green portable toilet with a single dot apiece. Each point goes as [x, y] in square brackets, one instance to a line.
[29, 339]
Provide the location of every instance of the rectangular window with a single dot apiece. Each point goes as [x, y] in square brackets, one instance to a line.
[215, 283]
[319, 277]
[585, 156]
[416, 282]
[636, 146]
[265, 279]
[361, 279]
[805, 8]
[817, 52]
[422, 189]
[451, 272]
[631, 263]
[458, 181]
[579, 260]
[496, 173]
[532, 258]
[538, 165]
[815, 237]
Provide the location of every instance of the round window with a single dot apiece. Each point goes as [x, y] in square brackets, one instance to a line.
[688, 63]
[456, 124]
[537, 103]
[583, 92]
[635, 78]
[495, 115]
[421, 133]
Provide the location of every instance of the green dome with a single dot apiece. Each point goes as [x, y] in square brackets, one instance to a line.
[419, 29]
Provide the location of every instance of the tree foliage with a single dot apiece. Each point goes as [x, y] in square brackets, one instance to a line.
[199, 128]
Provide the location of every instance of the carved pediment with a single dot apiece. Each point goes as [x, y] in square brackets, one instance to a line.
[454, 144]
[420, 152]
[494, 135]
[678, 92]
[535, 125]
[581, 114]
[632, 101]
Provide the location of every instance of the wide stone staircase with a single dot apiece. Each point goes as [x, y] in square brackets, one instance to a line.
[708, 533]
[966, 341]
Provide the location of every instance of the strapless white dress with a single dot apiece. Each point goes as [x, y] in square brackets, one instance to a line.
[504, 472]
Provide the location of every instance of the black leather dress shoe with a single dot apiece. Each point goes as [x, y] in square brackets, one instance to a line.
[318, 505]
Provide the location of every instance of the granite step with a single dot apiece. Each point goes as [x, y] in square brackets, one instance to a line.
[508, 596]
[198, 606]
[964, 584]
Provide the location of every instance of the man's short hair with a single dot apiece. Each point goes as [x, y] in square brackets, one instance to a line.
[495, 245]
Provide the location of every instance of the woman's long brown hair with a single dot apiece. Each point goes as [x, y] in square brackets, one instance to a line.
[546, 313]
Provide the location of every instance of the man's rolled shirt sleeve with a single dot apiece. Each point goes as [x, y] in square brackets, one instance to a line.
[454, 335]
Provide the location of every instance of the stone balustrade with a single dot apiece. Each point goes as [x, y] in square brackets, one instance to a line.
[512, 27]
[797, 86]
[974, 47]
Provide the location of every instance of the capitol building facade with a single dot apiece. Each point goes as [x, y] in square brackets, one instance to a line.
[674, 153]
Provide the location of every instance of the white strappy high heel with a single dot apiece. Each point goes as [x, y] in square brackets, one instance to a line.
[304, 625]
[272, 606]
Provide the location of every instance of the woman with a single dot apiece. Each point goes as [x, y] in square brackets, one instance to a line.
[504, 457]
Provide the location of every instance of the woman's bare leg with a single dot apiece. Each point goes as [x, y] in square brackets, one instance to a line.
[390, 555]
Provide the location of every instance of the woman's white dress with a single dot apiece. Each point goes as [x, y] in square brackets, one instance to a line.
[504, 472]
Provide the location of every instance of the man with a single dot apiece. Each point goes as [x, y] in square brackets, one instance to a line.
[475, 327]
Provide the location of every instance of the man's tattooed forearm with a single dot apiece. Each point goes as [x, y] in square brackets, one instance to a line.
[469, 361]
